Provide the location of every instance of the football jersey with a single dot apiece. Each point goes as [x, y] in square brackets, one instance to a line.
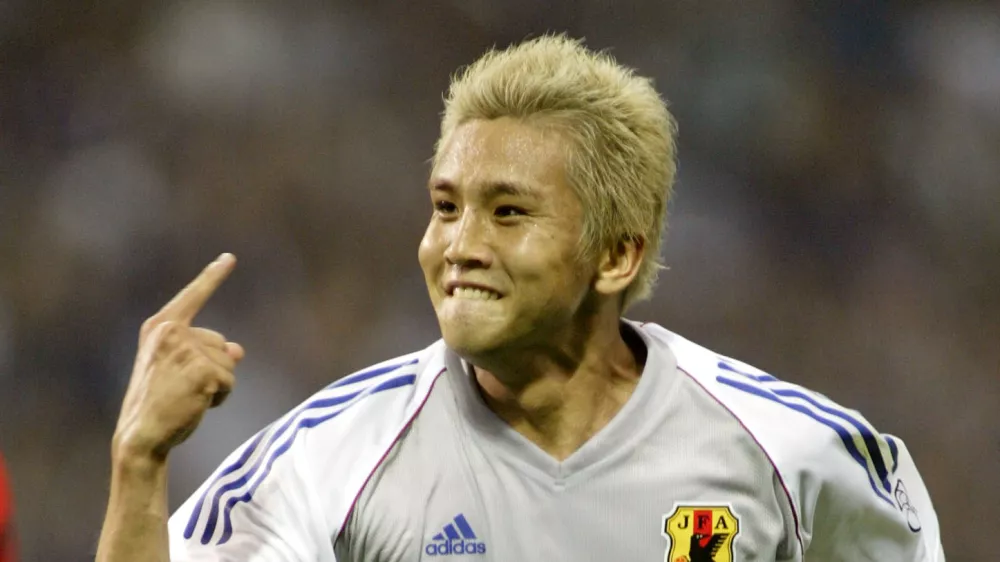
[7, 547]
[709, 459]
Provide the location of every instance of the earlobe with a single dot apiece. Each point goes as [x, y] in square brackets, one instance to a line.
[619, 265]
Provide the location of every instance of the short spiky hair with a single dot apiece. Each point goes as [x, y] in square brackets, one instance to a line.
[622, 158]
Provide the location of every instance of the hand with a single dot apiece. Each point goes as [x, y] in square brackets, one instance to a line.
[180, 371]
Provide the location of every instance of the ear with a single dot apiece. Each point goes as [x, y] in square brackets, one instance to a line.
[619, 265]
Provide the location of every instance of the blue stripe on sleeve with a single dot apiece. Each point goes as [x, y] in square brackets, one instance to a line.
[248, 452]
[196, 512]
[867, 435]
[256, 466]
[845, 436]
[894, 451]
[871, 442]
[365, 375]
[305, 423]
[759, 378]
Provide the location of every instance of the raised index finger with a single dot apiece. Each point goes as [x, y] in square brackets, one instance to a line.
[187, 303]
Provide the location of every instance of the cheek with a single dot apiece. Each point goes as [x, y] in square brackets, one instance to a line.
[547, 251]
[429, 251]
[559, 272]
[430, 264]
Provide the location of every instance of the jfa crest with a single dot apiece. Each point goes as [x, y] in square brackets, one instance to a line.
[700, 533]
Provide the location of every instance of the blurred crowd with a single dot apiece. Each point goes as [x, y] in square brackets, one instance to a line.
[836, 223]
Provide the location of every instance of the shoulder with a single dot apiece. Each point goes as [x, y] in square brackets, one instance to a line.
[365, 411]
[798, 427]
[372, 403]
[321, 453]
[830, 459]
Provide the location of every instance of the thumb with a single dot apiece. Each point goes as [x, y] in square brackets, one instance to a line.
[235, 351]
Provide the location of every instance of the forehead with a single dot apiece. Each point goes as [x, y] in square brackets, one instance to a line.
[502, 151]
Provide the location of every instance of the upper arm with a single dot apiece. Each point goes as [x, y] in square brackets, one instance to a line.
[286, 493]
[854, 521]
[255, 507]
[856, 493]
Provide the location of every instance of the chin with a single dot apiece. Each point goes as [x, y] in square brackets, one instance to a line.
[468, 341]
[473, 338]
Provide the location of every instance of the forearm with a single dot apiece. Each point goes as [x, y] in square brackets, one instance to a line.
[135, 525]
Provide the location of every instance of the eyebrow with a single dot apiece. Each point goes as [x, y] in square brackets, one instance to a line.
[492, 189]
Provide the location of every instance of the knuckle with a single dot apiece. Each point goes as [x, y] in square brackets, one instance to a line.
[182, 354]
[227, 362]
[228, 380]
[161, 338]
[223, 388]
[202, 365]
[218, 380]
[210, 386]
[210, 370]
[214, 357]
[148, 326]
[172, 333]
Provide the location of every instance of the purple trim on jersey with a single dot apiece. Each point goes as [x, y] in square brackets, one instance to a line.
[777, 472]
[385, 455]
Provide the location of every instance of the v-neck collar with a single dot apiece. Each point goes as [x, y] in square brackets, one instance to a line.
[639, 414]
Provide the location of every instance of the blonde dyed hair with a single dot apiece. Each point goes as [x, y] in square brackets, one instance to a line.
[622, 153]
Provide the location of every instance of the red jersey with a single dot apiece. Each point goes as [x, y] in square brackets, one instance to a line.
[7, 553]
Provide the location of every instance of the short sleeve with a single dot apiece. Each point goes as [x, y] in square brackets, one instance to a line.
[285, 495]
[856, 521]
[254, 507]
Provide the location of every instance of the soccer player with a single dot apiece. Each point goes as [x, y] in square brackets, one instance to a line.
[543, 425]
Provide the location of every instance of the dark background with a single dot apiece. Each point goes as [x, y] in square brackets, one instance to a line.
[837, 221]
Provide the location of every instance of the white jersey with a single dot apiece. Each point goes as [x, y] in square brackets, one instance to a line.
[710, 460]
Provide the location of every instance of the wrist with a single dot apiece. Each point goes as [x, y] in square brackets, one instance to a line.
[130, 458]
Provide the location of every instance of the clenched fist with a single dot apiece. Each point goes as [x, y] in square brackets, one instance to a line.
[180, 371]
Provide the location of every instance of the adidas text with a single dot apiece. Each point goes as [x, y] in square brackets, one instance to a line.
[455, 546]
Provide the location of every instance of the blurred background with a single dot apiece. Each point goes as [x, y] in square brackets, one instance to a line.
[837, 219]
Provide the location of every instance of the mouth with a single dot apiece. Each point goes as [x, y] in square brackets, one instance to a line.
[467, 291]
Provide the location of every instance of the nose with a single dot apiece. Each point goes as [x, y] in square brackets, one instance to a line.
[468, 245]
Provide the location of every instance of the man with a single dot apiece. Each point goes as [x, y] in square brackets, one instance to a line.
[543, 426]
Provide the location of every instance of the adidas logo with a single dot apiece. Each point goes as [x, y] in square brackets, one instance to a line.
[457, 537]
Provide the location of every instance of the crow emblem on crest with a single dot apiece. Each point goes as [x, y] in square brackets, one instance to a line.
[700, 533]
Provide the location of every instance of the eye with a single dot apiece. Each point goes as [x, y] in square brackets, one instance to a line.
[506, 211]
[445, 207]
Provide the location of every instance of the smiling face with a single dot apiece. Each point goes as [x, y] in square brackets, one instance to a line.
[501, 253]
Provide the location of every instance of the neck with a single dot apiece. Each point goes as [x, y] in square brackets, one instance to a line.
[560, 399]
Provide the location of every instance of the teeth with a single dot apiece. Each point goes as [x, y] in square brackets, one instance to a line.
[475, 294]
